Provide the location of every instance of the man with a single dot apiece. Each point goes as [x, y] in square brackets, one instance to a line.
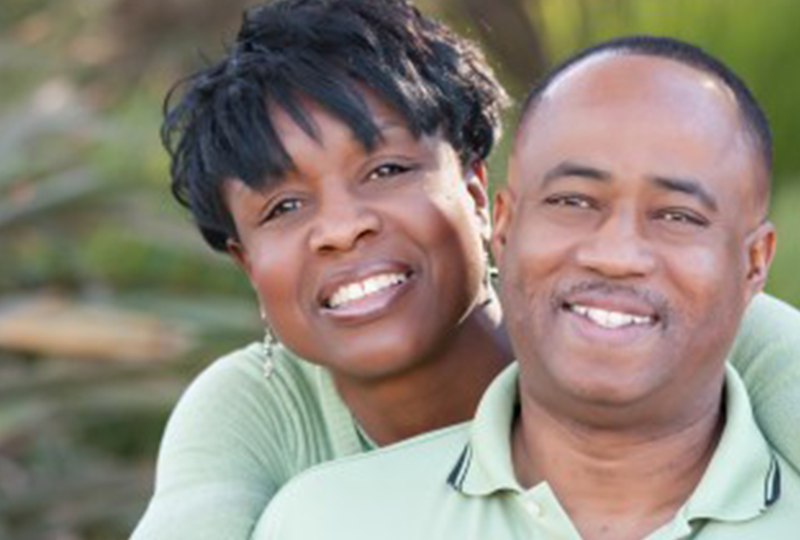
[631, 236]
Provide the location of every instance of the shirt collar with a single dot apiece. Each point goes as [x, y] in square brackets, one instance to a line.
[743, 477]
[741, 481]
[485, 465]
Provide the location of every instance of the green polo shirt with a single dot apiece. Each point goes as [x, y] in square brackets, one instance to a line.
[459, 483]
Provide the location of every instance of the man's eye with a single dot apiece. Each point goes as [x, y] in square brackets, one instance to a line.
[682, 217]
[387, 170]
[570, 201]
[282, 207]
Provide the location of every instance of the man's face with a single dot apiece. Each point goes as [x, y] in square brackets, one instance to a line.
[630, 236]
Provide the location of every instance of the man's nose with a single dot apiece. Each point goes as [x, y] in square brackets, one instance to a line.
[617, 248]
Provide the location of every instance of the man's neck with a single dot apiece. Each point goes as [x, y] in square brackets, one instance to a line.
[614, 485]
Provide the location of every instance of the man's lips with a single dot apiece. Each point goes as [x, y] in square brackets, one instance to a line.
[613, 306]
[608, 318]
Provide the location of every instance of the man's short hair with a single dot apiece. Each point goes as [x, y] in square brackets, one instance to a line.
[217, 123]
[755, 120]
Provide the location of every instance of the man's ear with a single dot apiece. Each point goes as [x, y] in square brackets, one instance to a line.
[760, 251]
[502, 216]
[477, 183]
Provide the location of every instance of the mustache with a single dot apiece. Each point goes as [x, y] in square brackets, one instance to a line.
[657, 301]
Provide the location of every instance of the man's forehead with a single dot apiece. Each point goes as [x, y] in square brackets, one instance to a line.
[617, 90]
[614, 110]
[619, 79]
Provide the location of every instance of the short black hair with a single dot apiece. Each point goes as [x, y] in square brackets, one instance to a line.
[217, 124]
[693, 56]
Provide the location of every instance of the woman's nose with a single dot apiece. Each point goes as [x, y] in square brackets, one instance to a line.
[342, 221]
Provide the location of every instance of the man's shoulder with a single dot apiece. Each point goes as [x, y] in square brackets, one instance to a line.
[432, 452]
[366, 493]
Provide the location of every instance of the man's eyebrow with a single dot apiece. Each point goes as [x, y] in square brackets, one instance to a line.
[570, 168]
[688, 186]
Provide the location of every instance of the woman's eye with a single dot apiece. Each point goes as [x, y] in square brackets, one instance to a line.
[570, 201]
[387, 170]
[282, 207]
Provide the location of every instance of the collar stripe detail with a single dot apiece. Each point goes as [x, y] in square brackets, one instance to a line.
[772, 483]
[459, 472]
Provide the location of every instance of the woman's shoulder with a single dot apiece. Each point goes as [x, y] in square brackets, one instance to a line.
[240, 382]
[234, 414]
[768, 341]
[234, 438]
[248, 368]
[767, 355]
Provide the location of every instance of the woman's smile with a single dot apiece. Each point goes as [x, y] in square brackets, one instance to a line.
[363, 293]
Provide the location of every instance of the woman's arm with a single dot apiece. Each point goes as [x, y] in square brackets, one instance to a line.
[233, 440]
[767, 354]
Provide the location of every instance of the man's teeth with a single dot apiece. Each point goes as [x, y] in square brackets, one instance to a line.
[611, 319]
[355, 291]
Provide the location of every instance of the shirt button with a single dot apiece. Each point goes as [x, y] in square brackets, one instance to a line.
[533, 508]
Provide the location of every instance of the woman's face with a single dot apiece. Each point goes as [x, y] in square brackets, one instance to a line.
[365, 262]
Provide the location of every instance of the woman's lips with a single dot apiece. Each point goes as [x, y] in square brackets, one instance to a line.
[349, 293]
[363, 293]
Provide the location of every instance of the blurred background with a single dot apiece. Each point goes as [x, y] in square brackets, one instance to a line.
[109, 301]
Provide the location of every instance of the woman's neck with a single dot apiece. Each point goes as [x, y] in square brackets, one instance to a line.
[440, 390]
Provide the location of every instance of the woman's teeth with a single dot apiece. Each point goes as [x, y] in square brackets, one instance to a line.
[356, 291]
[611, 319]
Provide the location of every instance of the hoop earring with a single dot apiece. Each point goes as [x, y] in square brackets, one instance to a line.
[491, 273]
[268, 346]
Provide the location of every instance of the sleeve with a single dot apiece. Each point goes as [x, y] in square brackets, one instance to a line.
[766, 353]
[223, 456]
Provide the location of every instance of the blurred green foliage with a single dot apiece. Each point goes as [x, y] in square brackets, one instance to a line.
[85, 211]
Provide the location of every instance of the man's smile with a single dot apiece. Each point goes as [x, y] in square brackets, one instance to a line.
[611, 313]
[610, 318]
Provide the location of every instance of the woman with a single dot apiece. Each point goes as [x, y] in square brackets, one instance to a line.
[337, 155]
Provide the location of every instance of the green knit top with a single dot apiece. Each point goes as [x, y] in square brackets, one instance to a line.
[236, 437]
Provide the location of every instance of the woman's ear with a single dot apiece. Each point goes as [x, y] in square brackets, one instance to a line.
[239, 255]
[477, 183]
